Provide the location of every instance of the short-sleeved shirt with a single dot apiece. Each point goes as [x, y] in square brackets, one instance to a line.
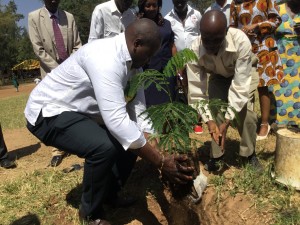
[187, 32]
[108, 21]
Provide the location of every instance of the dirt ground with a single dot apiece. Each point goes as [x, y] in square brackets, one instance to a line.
[152, 209]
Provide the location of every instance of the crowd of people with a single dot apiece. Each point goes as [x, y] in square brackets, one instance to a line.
[79, 106]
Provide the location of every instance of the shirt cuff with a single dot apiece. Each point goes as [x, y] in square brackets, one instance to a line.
[139, 143]
[205, 113]
[230, 115]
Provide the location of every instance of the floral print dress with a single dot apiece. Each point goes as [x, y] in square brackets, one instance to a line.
[263, 12]
[286, 110]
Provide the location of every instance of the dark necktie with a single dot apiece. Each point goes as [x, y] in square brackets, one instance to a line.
[60, 45]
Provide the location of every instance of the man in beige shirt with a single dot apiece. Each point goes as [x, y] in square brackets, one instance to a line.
[226, 55]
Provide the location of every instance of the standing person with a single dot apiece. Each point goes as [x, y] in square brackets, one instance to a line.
[226, 55]
[5, 162]
[65, 114]
[259, 20]
[54, 37]
[287, 95]
[151, 9]
[185, 22]
[111, 18]
[15, 82]
[223, 6]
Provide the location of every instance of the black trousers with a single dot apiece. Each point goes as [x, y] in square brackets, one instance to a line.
[3, 148]
[79, 135]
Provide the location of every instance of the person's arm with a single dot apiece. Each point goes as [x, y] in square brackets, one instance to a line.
[238, 94]
[76, 38]
[37, 43]
[274, 20]
[233, 19]
[97, 25]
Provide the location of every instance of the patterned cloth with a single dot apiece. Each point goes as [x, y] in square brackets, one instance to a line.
[264, 13]
[287, 95]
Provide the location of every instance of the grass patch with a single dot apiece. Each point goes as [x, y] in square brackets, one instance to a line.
[13, 115]
[40, 193]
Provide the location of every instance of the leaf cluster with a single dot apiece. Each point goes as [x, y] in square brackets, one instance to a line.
[172, 121]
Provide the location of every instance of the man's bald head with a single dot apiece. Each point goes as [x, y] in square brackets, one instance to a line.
[143, 40]
[213, 29]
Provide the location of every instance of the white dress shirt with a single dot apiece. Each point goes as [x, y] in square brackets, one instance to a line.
[108, 21]
[92, 82]
[187, 31]
[233, 59]
[225, 9]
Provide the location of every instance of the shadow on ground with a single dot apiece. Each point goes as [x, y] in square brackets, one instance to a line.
[25, 151]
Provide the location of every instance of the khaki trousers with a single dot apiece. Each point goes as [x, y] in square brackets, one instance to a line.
[218, 87]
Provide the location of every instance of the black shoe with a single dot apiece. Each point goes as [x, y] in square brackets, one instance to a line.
[7, 163]
[121, 202]
[255, 164]
[56, 160]
[213, 164]
[84, 220]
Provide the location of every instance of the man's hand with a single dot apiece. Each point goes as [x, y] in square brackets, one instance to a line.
[223, 130]
[214, 131]
[174, 171]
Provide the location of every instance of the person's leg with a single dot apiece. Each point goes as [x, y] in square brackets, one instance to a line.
[265, 104]
[3, 148]
[77, 134]
[5, 162]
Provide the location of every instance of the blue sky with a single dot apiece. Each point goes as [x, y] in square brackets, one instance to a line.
[26, 6]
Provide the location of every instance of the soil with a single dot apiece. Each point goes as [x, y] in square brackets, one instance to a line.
[155, 205]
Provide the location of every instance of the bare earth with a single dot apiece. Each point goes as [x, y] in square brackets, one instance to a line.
[150, 209]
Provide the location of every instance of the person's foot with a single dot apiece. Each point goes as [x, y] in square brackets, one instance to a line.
[263, 132]
[85, 220]
[213, 164]
[255, 164]
[7, 163]
[56, 160]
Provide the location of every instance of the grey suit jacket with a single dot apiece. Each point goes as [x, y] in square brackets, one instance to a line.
[42, 37]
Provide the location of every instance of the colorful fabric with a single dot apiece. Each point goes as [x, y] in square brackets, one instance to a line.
[286, 109]
[264, 13]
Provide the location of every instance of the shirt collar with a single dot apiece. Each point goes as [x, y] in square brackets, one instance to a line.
[113, 7]
[227, 46]
[190, 10]
[50, 14]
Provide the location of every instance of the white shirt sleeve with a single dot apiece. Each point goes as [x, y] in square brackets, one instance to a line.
[97, 25]
[109, 92]
[238, 94]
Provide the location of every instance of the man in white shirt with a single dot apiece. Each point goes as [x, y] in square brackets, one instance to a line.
[65, 110]
[223, 6]
[185, 23]
[111, 18]
[226, 55]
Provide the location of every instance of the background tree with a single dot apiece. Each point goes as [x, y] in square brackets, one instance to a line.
[201, 5]
[10, 35]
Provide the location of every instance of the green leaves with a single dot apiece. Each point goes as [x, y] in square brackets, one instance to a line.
[178, 61]
[173, 122]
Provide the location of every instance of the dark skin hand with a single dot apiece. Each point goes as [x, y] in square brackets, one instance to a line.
[169, 164]
[218, 133]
